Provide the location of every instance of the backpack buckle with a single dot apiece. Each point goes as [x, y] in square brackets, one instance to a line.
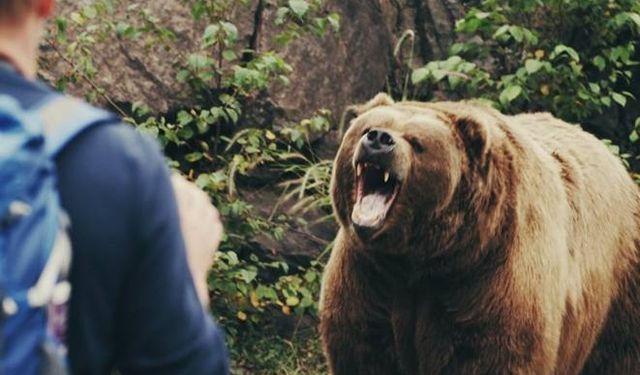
[9, 306]
[17, 209]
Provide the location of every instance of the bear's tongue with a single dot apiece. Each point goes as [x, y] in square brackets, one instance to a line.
[370, 211]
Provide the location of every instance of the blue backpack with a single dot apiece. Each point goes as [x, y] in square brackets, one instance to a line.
[35, 251]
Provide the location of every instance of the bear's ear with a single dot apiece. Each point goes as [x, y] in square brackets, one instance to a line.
[354, 111]
[379, 100]
[475, 136]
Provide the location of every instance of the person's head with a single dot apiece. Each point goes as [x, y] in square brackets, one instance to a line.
[21, 26]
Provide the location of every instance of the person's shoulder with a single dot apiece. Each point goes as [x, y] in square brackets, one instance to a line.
[110, 154]
[118, 139]
[29, 93]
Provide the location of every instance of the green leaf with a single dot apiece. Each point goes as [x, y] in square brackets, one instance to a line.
[582, 94]
[458, 48]
[183, 75]
[77, 18]
[184, 118]
[510, 94]
[252, 150]
[247, 275]
[266, 292]
[310, 276]
[185, 133]
[619, 98]
[233, 115]
[438, 75]
[502, 30]
[562, 49]
[633, 137]
[419, 75]
[193, 157]
[292, 301]
[454, 81]
[468, 25]
[231, 30]
[530, 37]
[635, 17]
[626, 17]
[452, 62]
[229, 55]
[61, 25]
[203, 180]
[199, 61]
[517, 33]
[299, 7]
[90, 12]
[210, 36]
[599, 62]
[121, 28]
[334, 21]
[532, 65]
[281, 15]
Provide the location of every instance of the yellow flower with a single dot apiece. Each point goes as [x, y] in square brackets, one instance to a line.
[544, 89]
[270, 136]
[242, 316]
[254, 299]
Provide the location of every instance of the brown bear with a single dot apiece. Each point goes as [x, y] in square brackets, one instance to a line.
[472, 242]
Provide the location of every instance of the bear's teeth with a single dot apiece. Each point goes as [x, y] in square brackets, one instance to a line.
[359, 170]
[386, 177]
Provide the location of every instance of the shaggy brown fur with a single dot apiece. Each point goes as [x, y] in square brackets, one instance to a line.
[512, 248]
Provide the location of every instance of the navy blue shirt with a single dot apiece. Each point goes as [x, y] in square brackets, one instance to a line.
[133, 306]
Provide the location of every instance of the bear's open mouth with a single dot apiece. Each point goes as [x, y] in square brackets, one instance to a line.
[376, 191]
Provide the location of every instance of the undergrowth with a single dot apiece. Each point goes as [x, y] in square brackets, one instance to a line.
[266, 304]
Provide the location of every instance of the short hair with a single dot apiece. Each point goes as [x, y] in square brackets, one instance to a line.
[10, 9]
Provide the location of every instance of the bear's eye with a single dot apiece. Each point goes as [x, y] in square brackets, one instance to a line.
[415, 144]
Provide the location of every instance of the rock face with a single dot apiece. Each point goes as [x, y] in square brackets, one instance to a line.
[432, 20]
[339, 69]
[131, 71]
[330, 72]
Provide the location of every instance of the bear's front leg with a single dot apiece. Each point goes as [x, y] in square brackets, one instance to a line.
[354, 326]
[357, 349]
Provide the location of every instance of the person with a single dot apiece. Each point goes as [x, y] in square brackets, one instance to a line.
[134, 307]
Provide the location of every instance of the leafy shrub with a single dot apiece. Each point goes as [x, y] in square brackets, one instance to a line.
[207, 144]
[576, 59]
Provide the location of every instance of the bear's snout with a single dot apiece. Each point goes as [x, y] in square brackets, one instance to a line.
[378, 141]
[377, 147]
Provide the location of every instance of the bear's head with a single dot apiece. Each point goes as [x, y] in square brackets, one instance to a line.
[402, 163]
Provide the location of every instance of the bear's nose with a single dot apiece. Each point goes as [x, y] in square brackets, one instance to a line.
[377, 141]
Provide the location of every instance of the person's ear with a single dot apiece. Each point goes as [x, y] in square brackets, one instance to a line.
[45, 8]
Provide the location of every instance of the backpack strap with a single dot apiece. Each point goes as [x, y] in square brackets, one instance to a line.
[64, 118]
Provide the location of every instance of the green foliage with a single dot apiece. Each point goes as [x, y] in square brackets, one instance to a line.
[575, 59]
[214, 144]
[75, 39]
[243, 295]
